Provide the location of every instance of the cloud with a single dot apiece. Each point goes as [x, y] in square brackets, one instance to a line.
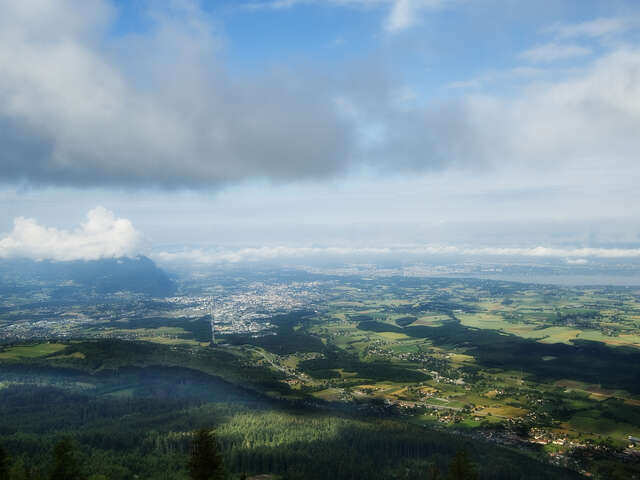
[581, 125]
[200, 256]
[551, 52]
[406, 13]
[159, 109]
[285, 4]
[155, 109]
[402, 15]
[596, 28]
[577, 261]
[101, 236]
[517, 74]
[259, 254]
[587, 121]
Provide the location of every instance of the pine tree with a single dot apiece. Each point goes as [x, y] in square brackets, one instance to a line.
[205, 462]
[461, 467]
[4, 464]
[433, 473]
[65, 464]
[18, 471]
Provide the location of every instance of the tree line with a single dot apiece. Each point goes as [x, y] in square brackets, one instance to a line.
[205, 463]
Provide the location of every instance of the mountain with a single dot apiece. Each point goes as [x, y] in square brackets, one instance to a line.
[109, 275]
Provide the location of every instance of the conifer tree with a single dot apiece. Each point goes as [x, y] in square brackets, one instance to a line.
[65, 464]
[19, 471]
[461, 467]
[205, 462]
[4, 464]
[434, 473]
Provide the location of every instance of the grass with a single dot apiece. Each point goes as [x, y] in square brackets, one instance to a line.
[557, 334]
[172, 341]
[124, 393]
[291, 361]
[31, 351]
[551, 334]
[484, 320]
[620, 340]
[431, 321]
[76, 355]
[504, 411]
[394, 336]
[461, 358]
[345, 374]
[329, 394]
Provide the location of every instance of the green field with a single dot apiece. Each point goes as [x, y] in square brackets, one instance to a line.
[31, 351]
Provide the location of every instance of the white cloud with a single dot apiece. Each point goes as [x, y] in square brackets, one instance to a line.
[402, 14]
[151, 109]
[253, 254]
[73, 114]
[516, 74]
[406, 13]
[597, 28]
[587, 121]
[581, 124]
[549, 252]
[220, 256]
[551, 52]
[577, 261]
[101, 236]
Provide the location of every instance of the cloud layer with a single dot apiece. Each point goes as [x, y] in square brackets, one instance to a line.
[153, 109]
[349, 254]
[101, 236]
[80, 107]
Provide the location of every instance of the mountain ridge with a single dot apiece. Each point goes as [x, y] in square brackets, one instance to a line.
[107, 275]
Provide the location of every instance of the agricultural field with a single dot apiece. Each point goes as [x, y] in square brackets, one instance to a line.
[31, 351]
[528, 366]
[559, 366]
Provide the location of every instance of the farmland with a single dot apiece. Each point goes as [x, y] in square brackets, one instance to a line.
[549, 371]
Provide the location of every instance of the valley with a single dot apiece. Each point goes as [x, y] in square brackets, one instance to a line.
[551, 372]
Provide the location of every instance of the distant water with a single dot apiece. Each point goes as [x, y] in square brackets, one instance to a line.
[564, 279]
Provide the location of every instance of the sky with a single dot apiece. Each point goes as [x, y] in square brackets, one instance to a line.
[218, 131]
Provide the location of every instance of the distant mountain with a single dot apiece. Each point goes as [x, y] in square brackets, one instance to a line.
[109, 275]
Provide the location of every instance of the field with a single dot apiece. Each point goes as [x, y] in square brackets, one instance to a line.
[528, 366]
[31, 351]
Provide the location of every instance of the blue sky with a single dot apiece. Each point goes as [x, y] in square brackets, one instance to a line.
[325, 123]
[451, 41]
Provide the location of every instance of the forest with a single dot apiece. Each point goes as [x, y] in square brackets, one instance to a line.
[149, 434]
